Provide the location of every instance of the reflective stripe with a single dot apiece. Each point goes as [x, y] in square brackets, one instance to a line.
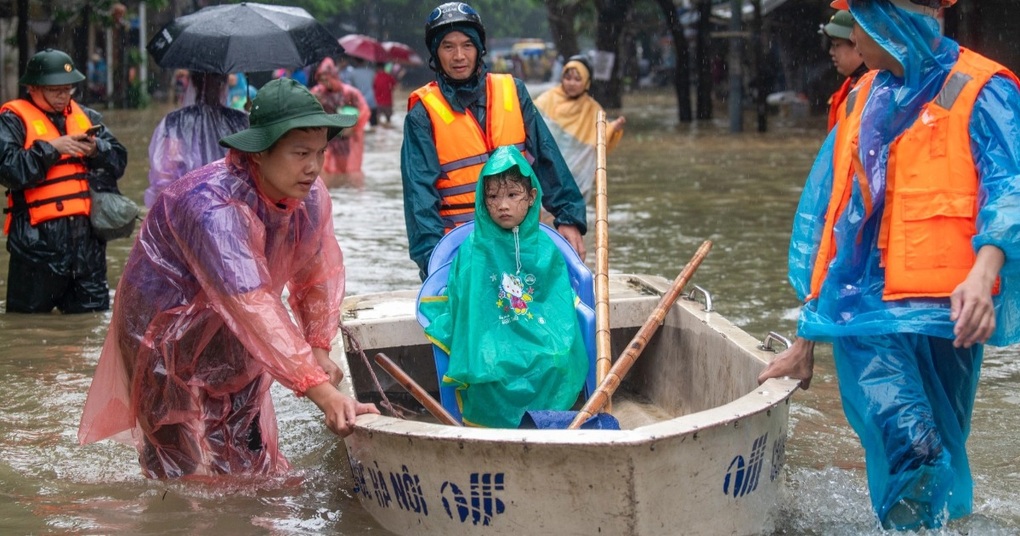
[453, 220]
[439, 106]
[509, 93]
[951, 91]
[527, 155]
[481, 159]
[465, 162]
[459, 189]
[459, 206]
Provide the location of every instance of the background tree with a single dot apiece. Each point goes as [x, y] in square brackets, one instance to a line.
[611, 20]
[562, 16]
[681, 71]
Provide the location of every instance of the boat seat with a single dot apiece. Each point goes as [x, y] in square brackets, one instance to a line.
[581, 280]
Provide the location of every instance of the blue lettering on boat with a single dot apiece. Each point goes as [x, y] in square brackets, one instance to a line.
[372, 483]
[407, 489]
[742, 477]
[480, 504]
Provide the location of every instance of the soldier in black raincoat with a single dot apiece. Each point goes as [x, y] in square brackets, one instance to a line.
[51, 151]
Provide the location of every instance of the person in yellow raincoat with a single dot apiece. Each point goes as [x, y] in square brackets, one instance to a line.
[569, 112]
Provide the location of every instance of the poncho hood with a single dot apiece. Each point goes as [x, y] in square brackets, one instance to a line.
[504, 159]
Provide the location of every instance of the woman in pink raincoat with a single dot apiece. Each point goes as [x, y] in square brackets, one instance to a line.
[343, 156]
[199, 331]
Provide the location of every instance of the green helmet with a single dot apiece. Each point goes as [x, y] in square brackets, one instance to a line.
[839, 25]
[50, 67]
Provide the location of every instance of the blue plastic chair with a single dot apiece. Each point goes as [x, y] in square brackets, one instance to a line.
[581, 279]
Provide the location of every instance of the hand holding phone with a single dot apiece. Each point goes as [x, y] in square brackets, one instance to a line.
[93, 130]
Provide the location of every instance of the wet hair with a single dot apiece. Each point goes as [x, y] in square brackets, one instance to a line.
[508, 177]
[209, 87]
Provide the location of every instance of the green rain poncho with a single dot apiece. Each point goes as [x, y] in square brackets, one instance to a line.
[508, 320]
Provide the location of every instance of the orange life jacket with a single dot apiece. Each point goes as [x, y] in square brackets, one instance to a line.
[932, 187]
[65, 190]
[843, 173]
[837, 100]
[463, 146]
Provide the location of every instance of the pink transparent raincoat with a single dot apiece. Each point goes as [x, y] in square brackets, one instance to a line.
[344, 152]
[199, 330]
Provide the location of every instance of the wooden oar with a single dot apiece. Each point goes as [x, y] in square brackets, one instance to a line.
[626, 360]
[603, 346]
[419, 394]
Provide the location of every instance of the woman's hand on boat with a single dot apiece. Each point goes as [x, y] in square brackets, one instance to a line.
[328, 365]
[573, 237]
[339, 410]
[797, 362]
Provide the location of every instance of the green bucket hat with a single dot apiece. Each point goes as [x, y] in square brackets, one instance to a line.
[839, 25]
[281, 106]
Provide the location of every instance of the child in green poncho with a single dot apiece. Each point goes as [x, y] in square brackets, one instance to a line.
[508, 320]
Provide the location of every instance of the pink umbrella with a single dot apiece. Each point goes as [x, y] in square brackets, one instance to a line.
[364, 47]
[401, 53]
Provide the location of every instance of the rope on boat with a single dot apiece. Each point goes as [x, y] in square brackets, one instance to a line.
[356, 346]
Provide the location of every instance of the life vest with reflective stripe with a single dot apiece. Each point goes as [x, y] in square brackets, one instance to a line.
[65, 190]
[464, 147]
[932, 188]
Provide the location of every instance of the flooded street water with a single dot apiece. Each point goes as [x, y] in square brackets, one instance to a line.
[670, 187]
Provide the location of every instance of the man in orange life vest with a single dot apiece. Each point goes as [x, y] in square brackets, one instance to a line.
[845, 58]
[452, 126]
[48, 160]
[904, 251]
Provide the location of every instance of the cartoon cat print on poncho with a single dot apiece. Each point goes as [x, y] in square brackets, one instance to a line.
[514, 298]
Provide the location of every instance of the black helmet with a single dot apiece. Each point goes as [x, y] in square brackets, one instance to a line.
[50, 67]
[453, 13]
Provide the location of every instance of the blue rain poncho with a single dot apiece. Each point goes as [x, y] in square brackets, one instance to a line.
[508, 320]
[906, 391]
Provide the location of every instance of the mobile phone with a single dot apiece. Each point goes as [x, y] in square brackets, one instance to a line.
[93, 130]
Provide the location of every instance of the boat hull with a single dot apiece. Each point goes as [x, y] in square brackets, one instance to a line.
[713, 468]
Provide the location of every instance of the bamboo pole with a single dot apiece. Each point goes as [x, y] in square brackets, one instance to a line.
[603, 346]
[626, 360]
[419, 394]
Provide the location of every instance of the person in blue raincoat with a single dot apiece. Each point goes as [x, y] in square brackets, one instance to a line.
[508, 319]
[461, 98]
[904, 251]
[239, 91]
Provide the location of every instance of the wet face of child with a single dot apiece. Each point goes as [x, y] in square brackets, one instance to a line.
[508, 196]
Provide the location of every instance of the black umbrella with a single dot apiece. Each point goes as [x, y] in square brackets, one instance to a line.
[244, 37]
